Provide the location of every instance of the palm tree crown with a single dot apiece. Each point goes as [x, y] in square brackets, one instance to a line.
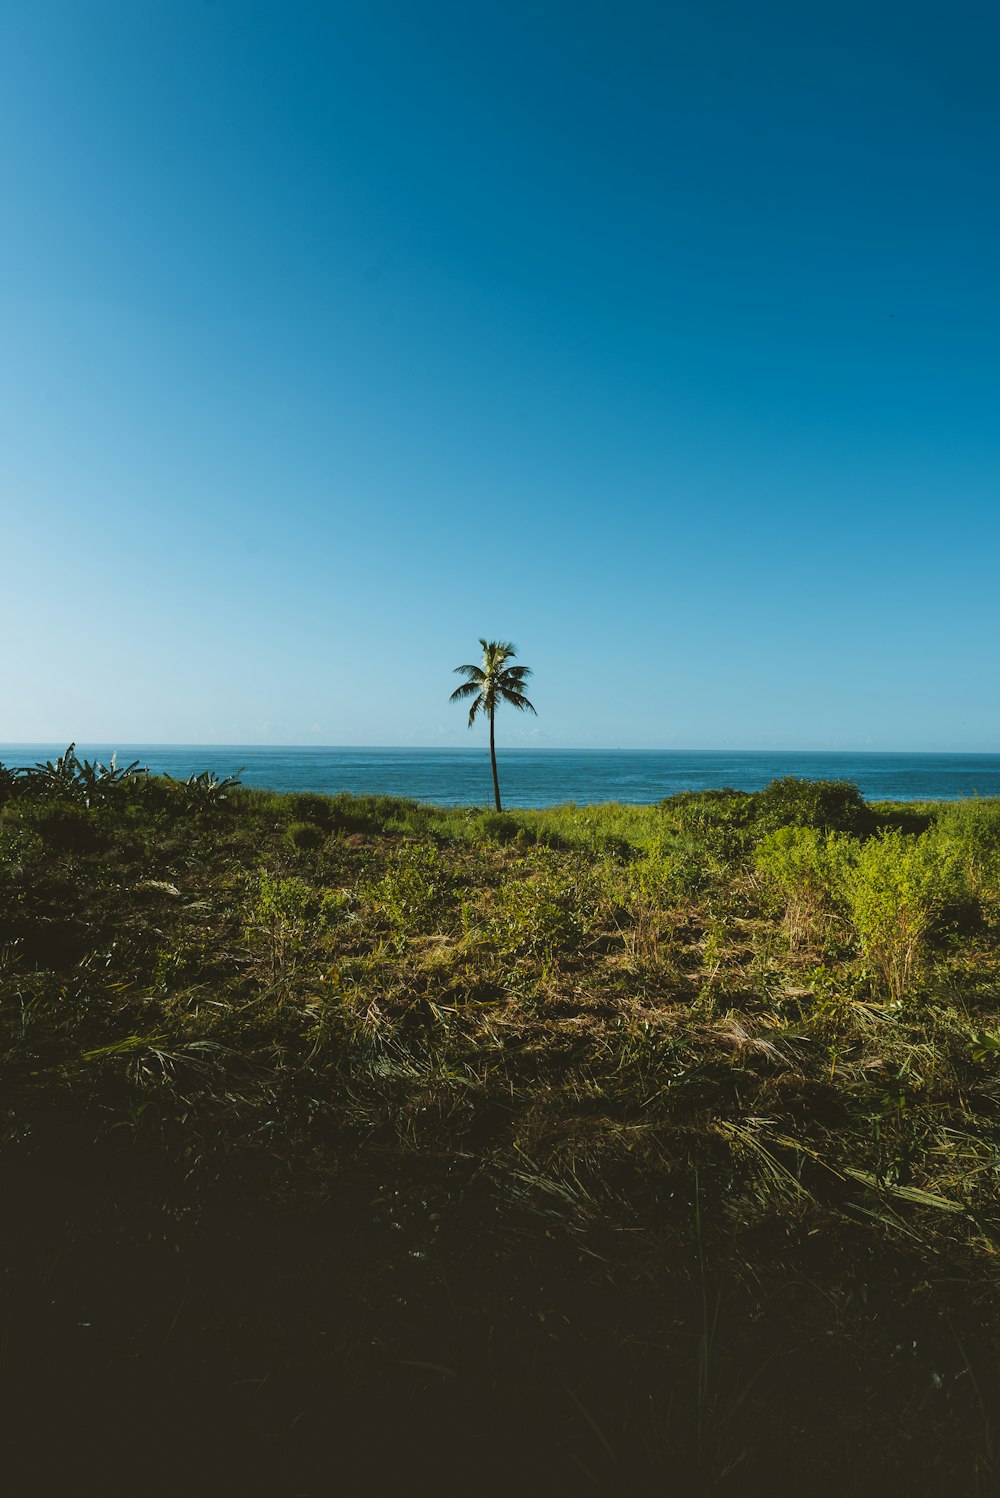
[490, 684]
[494, 681]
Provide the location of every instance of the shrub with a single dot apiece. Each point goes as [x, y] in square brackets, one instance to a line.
[617, 849]
[701, 830]
[497, 827]
[828, 805]
[203, 796]
[64, 826]
[896, 890]
[349, 813]
[720, 820]
[303, 837]
[309, 806]
[972, 828]
[808, 869]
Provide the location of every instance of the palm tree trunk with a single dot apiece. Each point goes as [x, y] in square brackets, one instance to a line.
[493, 763]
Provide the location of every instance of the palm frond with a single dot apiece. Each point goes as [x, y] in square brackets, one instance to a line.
[518, 700]
[497, 651]
[467, 689]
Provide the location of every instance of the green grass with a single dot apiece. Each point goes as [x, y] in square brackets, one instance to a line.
[351, 1143]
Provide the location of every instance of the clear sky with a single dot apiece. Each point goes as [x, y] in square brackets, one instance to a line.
[661, 339]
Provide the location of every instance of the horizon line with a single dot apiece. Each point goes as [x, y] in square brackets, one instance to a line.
[475, 748]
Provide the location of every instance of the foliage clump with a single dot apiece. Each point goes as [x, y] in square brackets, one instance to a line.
[898, 888]
[827, 805]
[304, 837]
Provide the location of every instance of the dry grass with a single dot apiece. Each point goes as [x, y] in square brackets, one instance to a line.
[555, 1138]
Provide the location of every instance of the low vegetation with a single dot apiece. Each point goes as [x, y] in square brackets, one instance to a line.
[351, 1143]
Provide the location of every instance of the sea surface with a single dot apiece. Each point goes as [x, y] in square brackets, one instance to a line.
[544, 777]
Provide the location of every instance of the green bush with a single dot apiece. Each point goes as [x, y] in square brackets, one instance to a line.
[309, 806]
[304, 837]
[719, 820]
[617, 849]
[828, 805]
[897, 889]
[972, 828]
[498, 827]
[808, 870]
[376, 813]
[64, 826]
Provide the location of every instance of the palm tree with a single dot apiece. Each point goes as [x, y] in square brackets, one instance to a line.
[490, 684]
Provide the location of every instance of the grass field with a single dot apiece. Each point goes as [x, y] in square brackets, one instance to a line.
[352, 1145]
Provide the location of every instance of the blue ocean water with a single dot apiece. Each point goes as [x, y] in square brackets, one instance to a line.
[544, 777]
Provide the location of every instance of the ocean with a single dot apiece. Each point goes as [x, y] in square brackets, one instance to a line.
[544, 777]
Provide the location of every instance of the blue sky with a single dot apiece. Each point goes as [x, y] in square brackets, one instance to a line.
[661, 339]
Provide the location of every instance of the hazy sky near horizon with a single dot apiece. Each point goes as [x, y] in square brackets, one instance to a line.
[659, 338]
